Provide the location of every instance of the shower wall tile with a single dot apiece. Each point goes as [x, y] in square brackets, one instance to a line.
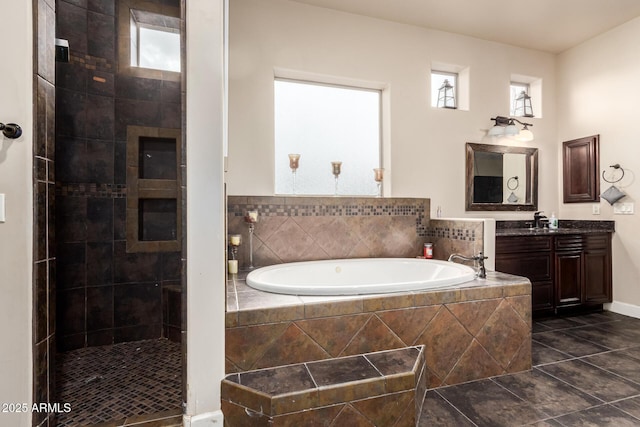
[99, 219]
[44, 268]
[100, 118]
[71, 114]
[130, 87]
[71, 265]
[72, 76]
[101, 6]
[99, 263]
[101, 38]
[100, 161]
[100, 83]
[95, 104]
[99, 308]
[71, 16]
[71, 311]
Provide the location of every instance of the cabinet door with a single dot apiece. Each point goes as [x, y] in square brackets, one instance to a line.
[581, 165]
[597, 269]
[568, 278]
[537, 267]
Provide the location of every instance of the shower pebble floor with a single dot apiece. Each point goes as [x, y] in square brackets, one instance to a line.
[119, 381]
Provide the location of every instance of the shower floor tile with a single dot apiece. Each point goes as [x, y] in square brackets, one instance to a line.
[119, 381]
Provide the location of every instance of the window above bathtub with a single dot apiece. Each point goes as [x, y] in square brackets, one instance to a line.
[335, 130]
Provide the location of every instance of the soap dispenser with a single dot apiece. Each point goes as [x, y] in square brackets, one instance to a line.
[553, 222]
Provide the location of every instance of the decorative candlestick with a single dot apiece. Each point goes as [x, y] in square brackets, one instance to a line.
[234, 241]
[336, 173]
[294, 162]
[378, 175]
[251, 218]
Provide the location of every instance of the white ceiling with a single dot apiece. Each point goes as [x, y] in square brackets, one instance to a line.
[547, 25]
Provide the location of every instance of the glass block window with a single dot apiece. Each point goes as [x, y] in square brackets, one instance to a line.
[324, 124]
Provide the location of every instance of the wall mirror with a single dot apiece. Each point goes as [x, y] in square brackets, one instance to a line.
[501, 178]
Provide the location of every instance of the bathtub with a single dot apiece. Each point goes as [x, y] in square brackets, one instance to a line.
[358, 276]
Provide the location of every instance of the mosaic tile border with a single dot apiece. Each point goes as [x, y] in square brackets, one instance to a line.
[451, 233]
[92, 62]
[275, 206]
[115, 191]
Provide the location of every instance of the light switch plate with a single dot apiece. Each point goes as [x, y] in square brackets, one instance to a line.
[2, 209]
[623, 208]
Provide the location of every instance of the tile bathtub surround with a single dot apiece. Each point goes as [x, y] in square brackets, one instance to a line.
[383, 388]
[473, 332]
[455, 236]
[310, 228]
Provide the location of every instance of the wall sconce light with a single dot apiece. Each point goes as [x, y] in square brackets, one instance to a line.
[522, 105]
[11, 130]
[506, 126]
[446, 96]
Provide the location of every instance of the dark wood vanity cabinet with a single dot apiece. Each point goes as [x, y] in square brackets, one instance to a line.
[566, 271]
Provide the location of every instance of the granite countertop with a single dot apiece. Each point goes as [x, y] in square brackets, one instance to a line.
[521, 228]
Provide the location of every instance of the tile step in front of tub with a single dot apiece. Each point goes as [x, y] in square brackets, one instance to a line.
[384, 388]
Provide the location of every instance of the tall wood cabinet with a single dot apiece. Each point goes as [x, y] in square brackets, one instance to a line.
[569, 271]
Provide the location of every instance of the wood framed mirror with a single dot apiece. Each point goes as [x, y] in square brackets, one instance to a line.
[501, 178]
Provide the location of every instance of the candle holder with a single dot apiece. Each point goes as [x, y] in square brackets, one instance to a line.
[235, 240]
[251, 218]
[378, 175]
[294, 162]
[336, 166]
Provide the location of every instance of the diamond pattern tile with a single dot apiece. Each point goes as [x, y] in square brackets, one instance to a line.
[293, 346]
[374, 336]
[333, 333]
[446, 341]
[408, 323]
[503, 334]
[473, 315]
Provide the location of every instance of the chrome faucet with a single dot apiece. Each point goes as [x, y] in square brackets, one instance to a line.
[478, 260]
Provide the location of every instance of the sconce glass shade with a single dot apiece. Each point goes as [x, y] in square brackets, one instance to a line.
[522, 105]
[497, 130]
[525, 135]
[446, 96]
[511, 129]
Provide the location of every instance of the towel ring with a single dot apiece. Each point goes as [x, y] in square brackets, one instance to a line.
[515, 185]
[616, 166]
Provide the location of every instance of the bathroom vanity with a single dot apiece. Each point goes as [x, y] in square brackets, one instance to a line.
[569, 268]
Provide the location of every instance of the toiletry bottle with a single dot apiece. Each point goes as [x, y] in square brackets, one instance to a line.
[553, 222]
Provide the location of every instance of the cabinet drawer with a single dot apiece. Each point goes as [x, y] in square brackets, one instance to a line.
[536, 266]
[597, 241]
[527, 244]
[567, 243]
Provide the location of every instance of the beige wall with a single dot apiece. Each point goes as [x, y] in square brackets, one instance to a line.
[425, 146]
[16, 79]
[598, 89]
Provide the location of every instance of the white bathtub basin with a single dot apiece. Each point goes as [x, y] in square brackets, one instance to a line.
[358, 276]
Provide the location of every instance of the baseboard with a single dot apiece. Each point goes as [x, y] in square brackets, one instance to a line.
[624, 308]
[209, 419]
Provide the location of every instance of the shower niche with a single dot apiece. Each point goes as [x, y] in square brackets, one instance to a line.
[153, 189]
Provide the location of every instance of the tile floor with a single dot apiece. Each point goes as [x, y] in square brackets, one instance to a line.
[586, 372]
[121, 384]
